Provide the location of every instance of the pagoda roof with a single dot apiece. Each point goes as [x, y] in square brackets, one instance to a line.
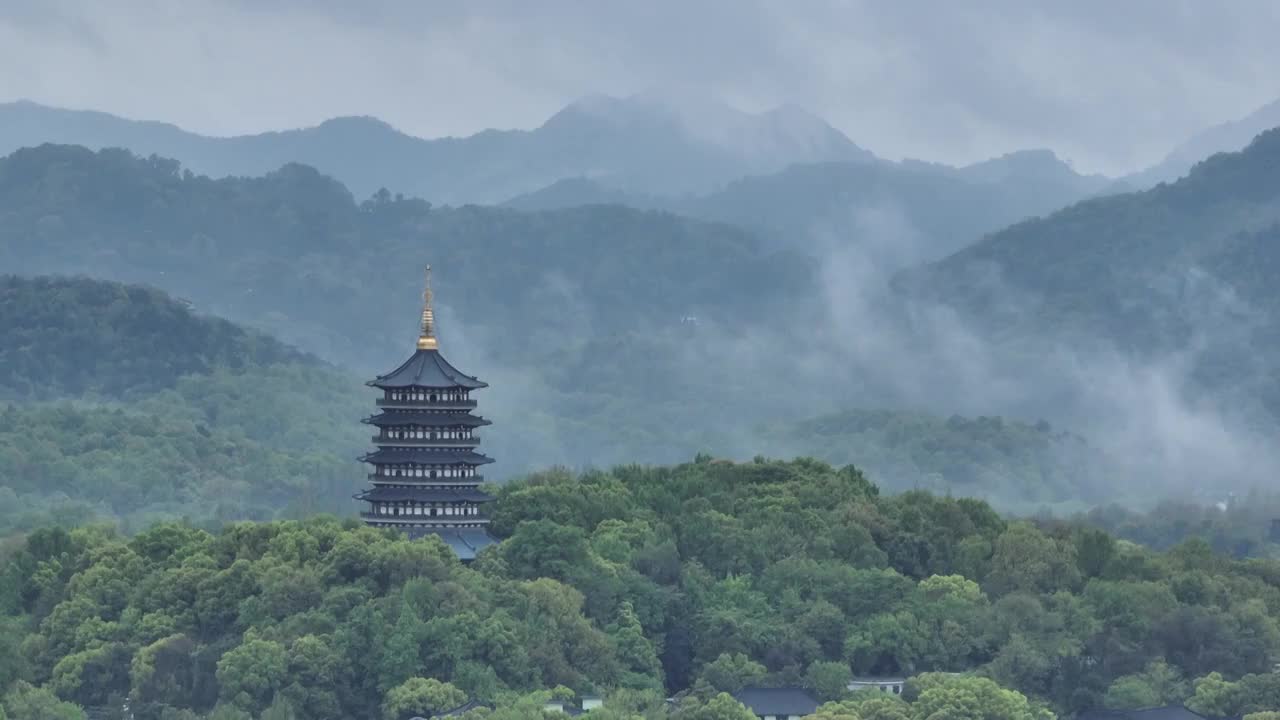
[465, 542]
[777, 702]
[425, 456]
[426, 419]
[427, 368]
[423, 494]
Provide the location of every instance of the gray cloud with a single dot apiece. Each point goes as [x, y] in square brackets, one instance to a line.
[1112, 86]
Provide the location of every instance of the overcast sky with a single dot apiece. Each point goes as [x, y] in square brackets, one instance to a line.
[1110, 85]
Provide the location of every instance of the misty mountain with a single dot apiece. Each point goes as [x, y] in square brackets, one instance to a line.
[608, 334]
[1185, 269]
[573, 316]
[650, 143]
[899, 213]
[121, 403]
[76, 338]
[293, 253]
[160, 412]
[988, 456]
[1227, 137]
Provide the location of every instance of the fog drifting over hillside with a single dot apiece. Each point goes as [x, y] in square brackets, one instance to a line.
[1111, 87]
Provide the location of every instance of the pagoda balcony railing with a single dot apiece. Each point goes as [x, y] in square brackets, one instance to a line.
[425, 481]
[427, 442]
[437, 405]
[425, 519]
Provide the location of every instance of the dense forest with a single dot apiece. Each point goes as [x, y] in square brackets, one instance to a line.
[638, 584]
[123, 404]
[1175, 269]
[223, 423]
[118, 402]
[72, 338]
[645, 336]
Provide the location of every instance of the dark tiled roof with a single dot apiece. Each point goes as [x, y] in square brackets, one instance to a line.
[466, 542]
[777, 701]
[425, 456]
[423, 494]
[427, 369]
[426, 419]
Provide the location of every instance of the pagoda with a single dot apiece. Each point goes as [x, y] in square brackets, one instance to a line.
[426, 465]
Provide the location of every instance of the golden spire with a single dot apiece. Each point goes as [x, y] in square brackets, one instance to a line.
[427, 338]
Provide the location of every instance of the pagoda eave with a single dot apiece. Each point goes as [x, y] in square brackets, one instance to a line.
[426, 418]
[400, 455]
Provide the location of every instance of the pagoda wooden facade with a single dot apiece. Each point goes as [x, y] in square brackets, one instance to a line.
[426, 465]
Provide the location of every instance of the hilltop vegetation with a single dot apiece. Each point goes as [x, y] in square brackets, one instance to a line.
[124, 404]
[1171, 275]
[73, 338]
[294, 253]
[1140, 268]
[633, 583]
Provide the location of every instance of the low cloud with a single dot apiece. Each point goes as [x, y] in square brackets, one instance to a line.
[1111, 87]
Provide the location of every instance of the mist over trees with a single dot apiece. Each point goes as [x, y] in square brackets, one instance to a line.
[625, 301]
[1029, 415]
[633, 584]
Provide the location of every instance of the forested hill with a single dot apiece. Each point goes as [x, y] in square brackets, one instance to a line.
[117, 402]
[1175, 269]
[575, 317]
[68, 337]
[607, 334]
[294, 253]
[637, 585]
[1137, 252]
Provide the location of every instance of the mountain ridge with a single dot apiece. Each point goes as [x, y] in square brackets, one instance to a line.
[939, 208]
[1175, 269]
[1230, 136]
[640, 143]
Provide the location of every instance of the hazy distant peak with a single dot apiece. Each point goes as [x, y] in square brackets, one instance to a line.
[358, 123]
[593, 104]
[654, 107]
[1036, 162]
[668, 143]
[766, 141]
[790, 112]
[1226, 137]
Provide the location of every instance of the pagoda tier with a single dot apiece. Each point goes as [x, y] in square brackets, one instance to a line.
[384, 493]
[426, 460]
[425, 479]
[471, 479]
[426, 419]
